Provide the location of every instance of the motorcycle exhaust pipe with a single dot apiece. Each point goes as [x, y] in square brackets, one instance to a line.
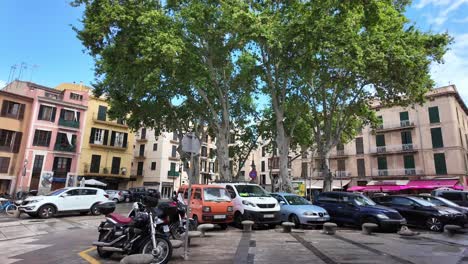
[104, 244]
[113, 249]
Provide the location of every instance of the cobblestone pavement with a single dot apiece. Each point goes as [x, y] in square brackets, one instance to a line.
[60, 240]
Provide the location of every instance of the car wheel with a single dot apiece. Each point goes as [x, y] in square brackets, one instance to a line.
[238, 220]
[294, 219]
[46, 211]
[32, 214]
[95, 210]
[434, 224]
[115, 200]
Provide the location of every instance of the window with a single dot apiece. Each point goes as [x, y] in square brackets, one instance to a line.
[102, 113]
[69, 115]
[359, 145]
[143, 133]
[382, 163]
[153, 165]
[263, 165]
[328, 197]
[263, 151]
[404, 116]
[204, 151]
[341, 165]
[408, 161]
[434, 115]
[47, 113]
[174, 136]
[4, 164]
[406, 139]
[140, 168]
[380, 140]
[174, 151]
[361, 168]
[118, 139]
[65, 141]
[98, 136]
[197, 194]
[74, 192]
[12, 109]
[76, 97]
[88, 192]
[173, 166]
[115, 165]
[95, 163]
[439, 163]
[141, 153]
[263, 179]
[402, 201]
[452, 196]
[211, 167]
[436, 136]
[6, 138]
[61, 166]
[37, 165]
[42, 138]
[155, 147]
[231, 191]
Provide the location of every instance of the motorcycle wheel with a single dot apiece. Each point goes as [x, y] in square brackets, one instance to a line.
[163, 251]
[102, 253]
[175, 231]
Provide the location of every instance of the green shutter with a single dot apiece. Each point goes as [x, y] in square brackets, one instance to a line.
[434, 114]
[382, 163]
[102, 113]
[173, 165]
[406, 137]
[409, 161]
[380, 140]
[439, 163]
[404, 116]
[436, 135]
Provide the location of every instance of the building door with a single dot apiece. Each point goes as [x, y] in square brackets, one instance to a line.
[36, 172]
[166, 192]
[60, 168]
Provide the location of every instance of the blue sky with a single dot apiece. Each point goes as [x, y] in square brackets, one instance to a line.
[38, 33]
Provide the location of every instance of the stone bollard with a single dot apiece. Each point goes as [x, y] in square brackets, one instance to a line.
[203, 228]
[329, 228]
[367, 228]
[287, 227]
[137, 259]
[451, 230]
[247, 224]
[176, 243]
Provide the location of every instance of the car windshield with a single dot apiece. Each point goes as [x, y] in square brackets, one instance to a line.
[363, 201]
[423, 202]
[444, 201]
[251, 191]
[216, 194]
[56, 192]
[296, 200]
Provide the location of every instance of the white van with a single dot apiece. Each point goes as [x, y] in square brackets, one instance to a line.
[252, 202]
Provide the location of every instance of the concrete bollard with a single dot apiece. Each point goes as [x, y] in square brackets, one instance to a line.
[247, 224]
[137, 259]
[367, 228]
[287, 227]
[451, 230]
[329, 228]
[203, 228]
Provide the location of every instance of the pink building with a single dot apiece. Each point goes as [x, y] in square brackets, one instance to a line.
[53, 142]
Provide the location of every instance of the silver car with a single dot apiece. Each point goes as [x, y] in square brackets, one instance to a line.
[116, 196]
[299, 211]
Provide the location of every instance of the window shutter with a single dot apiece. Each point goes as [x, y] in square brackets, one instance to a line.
[125, 139]
[404, 116]
[41, 112]
[78, 116]
[49, 135]
[69, 161]
[4, 107]
[434, 114]
[54, 111]
[36, 137]
[439, 162]
[102, 113]
[17, 144]
[409, 161]
[62, 113]
[361, 167]
[21, 111]
[54, 166]
[382, 163]
[436, 136]
[406, 137]
[106, 137]
[112, 138]
[91, 137]
[359, 145]
[380, 140]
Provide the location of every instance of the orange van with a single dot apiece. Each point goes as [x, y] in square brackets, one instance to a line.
[209, 204]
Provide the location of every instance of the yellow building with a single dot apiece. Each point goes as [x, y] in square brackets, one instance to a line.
[107, 149]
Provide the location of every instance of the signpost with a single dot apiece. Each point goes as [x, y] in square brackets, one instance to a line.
[190, 144]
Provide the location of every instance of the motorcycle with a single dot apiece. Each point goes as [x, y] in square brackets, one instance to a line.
[178, 219]
[133, 235]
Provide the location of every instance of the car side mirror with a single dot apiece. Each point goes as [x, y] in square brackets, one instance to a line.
[63, 195]
[282, 203]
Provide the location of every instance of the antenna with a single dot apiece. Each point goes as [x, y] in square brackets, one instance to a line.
[33, 68]
[22, 67]
[12, 73]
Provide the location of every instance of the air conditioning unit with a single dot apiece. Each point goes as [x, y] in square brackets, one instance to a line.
[383, 172]
[410, 171]
[408, 147]
[381, 149]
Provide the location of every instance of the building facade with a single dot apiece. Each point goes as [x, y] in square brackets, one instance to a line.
[15, 119]
[106, 151]
[54, 138]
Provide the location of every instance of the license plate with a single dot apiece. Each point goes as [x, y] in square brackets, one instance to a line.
[269, 216]
[165, 228]
[219, 216]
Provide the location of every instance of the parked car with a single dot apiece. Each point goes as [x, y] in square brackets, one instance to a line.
[299, 211]
[444, 202]
[419, 212]
[356, 209]
[77, 199]
[209, 204]
[137, 193]
[116, 196]
[127, 195]
[458, 197]
[252, 202]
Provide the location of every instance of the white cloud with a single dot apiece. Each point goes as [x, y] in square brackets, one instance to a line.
[424, 3]
[443, 9]
[461, 20]
[2, 84]
[455, 68]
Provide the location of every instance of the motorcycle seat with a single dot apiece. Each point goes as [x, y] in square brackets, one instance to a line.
[120, 218]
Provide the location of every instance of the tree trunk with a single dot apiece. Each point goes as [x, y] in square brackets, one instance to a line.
[196, 170]
[222, 154]
[326, 174]
[282, 141]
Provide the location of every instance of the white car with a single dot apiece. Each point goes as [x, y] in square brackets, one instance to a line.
[252, 202]
[116, 196]
[77, 199]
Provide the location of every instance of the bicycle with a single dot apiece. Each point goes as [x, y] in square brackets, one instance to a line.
[8, 207]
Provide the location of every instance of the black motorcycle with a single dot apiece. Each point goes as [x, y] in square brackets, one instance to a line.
[133, 235]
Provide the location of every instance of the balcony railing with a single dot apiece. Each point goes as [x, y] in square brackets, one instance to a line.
[399, 125]
[107, 121]
[66, 148]
[113, 171]
[393, 148]
[141, 155]
[69, 123]
[172, 173]
[397, 172]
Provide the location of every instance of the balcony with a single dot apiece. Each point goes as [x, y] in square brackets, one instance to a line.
[340, 153]
[172, 173]
[65, 148]
[394, 149]
[174, 158]
[397, 172]
[115, 123]
[404, 124]
[140, 155]
[69, 123]
[101, 145]
[335, 174]
[105, 171]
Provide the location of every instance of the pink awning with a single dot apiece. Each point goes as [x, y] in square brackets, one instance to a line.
[384, 188]
[356, 188]
[434, 184]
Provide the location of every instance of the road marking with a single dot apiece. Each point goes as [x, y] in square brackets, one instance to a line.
[84, 255]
